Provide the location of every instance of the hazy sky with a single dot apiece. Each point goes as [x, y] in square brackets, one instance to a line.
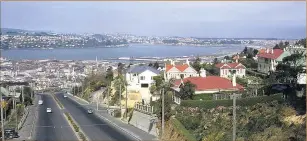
[201, 19]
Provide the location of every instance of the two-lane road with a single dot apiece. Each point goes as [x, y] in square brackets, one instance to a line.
[52, 126]
[94, 127]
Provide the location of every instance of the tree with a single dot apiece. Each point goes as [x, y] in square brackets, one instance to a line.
[187, 90]
[215, 61]
[290, 68]
[120, 68]
[281, 45]
[255, 52]
[109, 75]
[156, 65]
[210, 68]
[119, 83]
[158, 84]
[287, 43]
[167, 106]
[244, 50]
[27, 94]
[197, 65]
[227, 57]
[301, 42]
[276, 46]
[150, 64]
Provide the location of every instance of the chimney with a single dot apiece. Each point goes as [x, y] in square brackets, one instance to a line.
[234, 83]
[272, 51]
[267, 50]
[202, 72]
[187, 61]
[172, 62]
[236, 60]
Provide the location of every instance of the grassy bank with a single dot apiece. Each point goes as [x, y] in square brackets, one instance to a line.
[75, 127]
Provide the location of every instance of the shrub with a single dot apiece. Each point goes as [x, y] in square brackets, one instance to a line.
[208, 104]
[203, 97]
[117, 113]
[82, 136]
[178, 126]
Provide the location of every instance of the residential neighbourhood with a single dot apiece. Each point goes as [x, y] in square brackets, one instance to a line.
[140, 84]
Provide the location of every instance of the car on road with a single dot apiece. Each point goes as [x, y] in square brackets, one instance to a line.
[49, 110]
[10, 134]
[40, 102]
[65, 95]
[89, 111]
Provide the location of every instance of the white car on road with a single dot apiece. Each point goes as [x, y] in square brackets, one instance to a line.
[40, 102]
[65, 95]
[49, 110]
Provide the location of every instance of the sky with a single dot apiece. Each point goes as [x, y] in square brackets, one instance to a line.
[187, 19]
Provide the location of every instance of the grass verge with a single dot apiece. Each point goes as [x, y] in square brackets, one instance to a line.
[58, 102]
[80, 135]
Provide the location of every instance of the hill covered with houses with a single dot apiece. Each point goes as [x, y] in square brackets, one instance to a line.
[268, 85]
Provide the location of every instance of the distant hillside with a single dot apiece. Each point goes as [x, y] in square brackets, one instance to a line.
[13, 31]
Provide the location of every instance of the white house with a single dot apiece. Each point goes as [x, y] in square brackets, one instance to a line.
[268, 59]
[140, 78]
[178, 71]
[225, 68]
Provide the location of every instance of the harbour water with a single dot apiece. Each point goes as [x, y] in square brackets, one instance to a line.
[136, 51]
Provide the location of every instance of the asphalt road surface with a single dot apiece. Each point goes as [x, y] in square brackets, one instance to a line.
[94, 127]
[52, 126]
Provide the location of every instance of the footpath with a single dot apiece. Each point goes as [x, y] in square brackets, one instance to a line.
[122, 125]
[27, 130]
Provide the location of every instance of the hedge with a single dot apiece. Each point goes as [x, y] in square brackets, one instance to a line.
[203, 96]
[182, 130]
[208, 104]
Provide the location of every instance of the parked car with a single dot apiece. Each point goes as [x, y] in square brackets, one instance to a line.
[10, 134]
[49, 110]
[65, 95]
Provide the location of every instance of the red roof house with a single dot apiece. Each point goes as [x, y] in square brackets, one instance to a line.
[209, 84]
[224, 69]
[181, 68]
[270, 53]
[177, 71]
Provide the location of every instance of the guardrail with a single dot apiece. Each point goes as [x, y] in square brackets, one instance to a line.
[144, 108]
[24, 117]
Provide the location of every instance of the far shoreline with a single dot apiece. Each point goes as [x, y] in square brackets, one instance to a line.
[128, 45]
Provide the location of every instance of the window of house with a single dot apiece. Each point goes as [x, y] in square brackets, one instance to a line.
[134, 74]
[142, 77]
[144, 85]
[152, 78]
[266, 60]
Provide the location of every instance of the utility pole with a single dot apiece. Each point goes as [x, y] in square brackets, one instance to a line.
[97, 102]
[120, 99]
[23, 98]
[162, 112]
[126, 100]
[234, 118]
[16, 108]
[108, 95]
[2, 124]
